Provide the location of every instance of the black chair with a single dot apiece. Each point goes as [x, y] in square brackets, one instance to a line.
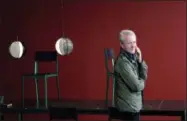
[43, 56]
[62, 113]
[109, 57]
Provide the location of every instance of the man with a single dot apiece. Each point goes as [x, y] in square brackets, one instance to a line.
[130, 72]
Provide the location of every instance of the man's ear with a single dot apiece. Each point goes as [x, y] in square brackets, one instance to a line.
[121, 44]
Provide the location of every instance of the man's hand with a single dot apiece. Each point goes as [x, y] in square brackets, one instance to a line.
[139, 54]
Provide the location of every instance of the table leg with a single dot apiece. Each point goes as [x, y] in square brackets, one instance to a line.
[2, 117]
[183, 117]
[45, 91]
[20, 117]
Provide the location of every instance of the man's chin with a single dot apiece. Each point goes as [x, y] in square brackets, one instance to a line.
[132, 52]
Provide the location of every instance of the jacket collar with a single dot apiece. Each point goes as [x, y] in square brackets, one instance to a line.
[131, 57]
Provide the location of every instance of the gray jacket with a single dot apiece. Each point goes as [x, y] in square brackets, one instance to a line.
[130, 81]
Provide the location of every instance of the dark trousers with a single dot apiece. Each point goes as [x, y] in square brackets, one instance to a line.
[132, 117]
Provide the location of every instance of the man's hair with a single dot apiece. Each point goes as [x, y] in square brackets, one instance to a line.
[124, 33]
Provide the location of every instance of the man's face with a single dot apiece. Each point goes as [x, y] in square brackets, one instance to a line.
[129, 44]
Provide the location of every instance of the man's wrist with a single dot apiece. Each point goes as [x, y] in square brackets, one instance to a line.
[140, 59]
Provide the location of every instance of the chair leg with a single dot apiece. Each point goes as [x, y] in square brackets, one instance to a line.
[45, 90]
[113, 90]
[22, 91]
[107, 88]
[58, 87]
[37, 93]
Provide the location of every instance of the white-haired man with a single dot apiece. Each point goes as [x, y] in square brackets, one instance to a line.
[130, 73]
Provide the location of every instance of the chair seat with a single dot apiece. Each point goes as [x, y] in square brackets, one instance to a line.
[40, 75]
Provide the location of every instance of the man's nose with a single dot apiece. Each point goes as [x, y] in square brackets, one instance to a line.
[133, 45]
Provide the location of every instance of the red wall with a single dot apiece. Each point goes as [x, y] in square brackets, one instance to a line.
[92, 26]
[160, 27]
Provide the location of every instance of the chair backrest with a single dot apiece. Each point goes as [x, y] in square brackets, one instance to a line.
[62, 113]
[109, 55]
[45, 56]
